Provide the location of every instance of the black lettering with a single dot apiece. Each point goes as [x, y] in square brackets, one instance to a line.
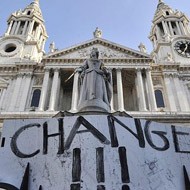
[61, 137]
[175, 139]
[90, 128]
[124, 166]
[113, 135]
[14, 146]
[161, 134]
[25, 180]
[112, 131]
[186, 179]
[76, 167]
[125, 187]
[8, 186]
[140, 135]
[100, 165]
[3, 142]
[101, 187]
[75, 186]
[46, 136]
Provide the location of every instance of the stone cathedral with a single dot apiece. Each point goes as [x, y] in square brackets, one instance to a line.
[40, 101]
[156, 86]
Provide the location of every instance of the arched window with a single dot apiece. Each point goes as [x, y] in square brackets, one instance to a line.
[35, 98]
[159, 98]
[167, 13]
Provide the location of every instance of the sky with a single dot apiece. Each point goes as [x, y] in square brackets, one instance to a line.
[70, 22]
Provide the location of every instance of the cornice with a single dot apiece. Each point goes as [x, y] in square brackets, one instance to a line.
[110, 60]
[164, 117]
[184, 68]
[21, 67]
[15, 37]
[160, 18]
[171, 68]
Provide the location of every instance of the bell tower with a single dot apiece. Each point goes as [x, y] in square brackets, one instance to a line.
[170, 35]
[25, 36]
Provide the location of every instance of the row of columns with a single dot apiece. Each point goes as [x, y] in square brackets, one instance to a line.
[177, 98]
[22, 80]
[141, 91]
[55, 89]
[14, 26]
[168, 29]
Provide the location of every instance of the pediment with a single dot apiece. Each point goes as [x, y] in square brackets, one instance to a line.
[107, 50]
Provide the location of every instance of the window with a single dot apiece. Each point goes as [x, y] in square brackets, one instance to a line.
[35, 28]
[21, 28]
[35, 98]
[174, 26]
[159, 98]
[167, 13]
[160, 26]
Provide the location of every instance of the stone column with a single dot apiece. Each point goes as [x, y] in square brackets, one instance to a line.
[25, 27]
[182, 28]
[17, 28]
[151, 91]
[54, 91]
[43, 44]
[9, 28]
[2, 99]
[14, 27]
[186, 26]
[16, 91]
[158, 33]
[31, 27]
[170, 94]
[164, 27]
[178, 28]
[171, 29]
[120, 90]
[112, 98]
[182, 99]
[37, 35]
[44, 91]
[187, 92]
[75, 93]
[27, 81]
[140, 91]
[167, 27]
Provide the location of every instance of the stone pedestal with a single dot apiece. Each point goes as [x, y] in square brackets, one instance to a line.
[94, 105]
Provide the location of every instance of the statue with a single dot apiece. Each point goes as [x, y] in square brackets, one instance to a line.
[142, 48]
[97, 33]
[95, 87]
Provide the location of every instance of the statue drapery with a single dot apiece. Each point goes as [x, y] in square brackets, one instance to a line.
[95, 87]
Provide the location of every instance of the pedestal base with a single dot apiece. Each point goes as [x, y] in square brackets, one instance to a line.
[94, 105]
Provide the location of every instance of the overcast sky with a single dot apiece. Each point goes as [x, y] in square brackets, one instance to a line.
[69, 22]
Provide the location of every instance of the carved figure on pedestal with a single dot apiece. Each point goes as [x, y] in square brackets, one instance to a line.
[94, 85]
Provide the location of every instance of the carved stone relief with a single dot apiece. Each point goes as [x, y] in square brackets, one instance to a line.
[104, 52]
[157, 81]
[38, 80]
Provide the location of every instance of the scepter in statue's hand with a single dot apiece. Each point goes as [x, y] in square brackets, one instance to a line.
[79, 70]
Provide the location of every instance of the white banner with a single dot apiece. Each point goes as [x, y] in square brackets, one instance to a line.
[94, 153]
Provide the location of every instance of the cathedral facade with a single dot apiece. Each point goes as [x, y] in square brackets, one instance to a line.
[35, 84]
